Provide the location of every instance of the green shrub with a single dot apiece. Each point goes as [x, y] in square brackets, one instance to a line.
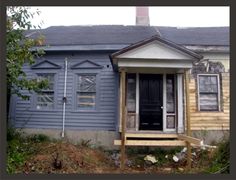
[38, 138]
[16, 154]
[13, 134]
[20, 147]
[85, 143]
[220, 163]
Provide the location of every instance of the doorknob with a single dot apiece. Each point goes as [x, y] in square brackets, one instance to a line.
[161, 107]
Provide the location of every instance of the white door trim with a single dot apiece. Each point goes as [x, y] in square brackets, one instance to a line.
[180, 126]
[164, 103]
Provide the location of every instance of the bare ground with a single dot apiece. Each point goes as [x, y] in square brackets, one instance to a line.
[64, 157]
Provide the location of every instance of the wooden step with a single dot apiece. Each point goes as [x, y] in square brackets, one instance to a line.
[150, 135]
[151, 142]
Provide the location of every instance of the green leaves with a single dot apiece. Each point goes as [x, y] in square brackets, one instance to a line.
[18, 50]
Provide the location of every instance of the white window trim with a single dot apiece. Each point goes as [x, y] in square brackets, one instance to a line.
[218, 89]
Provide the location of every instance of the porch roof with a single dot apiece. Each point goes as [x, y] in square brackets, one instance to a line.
[154, 52]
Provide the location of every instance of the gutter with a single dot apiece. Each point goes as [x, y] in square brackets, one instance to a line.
[64, 101]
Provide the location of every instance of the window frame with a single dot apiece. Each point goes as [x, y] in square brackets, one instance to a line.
[76, 108]
[218, 93]
[54, 92]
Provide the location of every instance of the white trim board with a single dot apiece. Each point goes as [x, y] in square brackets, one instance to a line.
[155, 50]
[154, 63]
[180, 120]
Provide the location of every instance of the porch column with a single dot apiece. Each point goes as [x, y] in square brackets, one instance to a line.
[123, 116]
[188, 118]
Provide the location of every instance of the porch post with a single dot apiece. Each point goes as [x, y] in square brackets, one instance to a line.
[123, 118]
[188, 118]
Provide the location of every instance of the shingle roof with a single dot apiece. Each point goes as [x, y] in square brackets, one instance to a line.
[99, 34]
[196, 36]
[119, 34]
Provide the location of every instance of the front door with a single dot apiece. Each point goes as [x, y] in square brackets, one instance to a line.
[150, 101]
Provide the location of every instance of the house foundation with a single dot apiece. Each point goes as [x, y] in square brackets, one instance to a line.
[96, 138]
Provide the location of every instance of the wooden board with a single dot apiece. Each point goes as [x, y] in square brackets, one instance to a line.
[151, 143]
[123, 119]
[190, 139]
[210, 120]
[148, 135]
[210, 128]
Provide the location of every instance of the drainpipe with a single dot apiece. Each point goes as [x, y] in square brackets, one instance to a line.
[64, 102]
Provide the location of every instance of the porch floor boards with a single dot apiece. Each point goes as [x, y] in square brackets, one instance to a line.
[151, 139]
[150, 135]
[151, 142]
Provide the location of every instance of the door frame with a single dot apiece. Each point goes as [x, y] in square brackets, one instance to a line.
[177, 114]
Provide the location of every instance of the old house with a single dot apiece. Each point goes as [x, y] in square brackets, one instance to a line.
[104, 76]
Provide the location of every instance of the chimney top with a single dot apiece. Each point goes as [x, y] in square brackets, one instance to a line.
[142, 16]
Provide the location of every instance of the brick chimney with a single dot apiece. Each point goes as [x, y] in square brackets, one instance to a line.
[142, 16]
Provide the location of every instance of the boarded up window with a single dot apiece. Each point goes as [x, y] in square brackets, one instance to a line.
[208, 92]
[45, 98]
[170, 93]
[131, 102]
[170, 122]
[170, 101]
[131, 92]
[86, 91]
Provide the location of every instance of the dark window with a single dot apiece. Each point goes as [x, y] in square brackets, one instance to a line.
[45, 98]
[86, 91]
[208, 92]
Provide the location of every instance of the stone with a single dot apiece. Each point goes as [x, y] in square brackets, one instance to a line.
[150, 158]
[167, 169]
[180, 155]
[184, 150]
[181, 169]
[175, 158]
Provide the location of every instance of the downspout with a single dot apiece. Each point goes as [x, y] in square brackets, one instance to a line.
[64, 101]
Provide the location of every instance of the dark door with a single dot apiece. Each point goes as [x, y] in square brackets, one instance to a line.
[150, 101]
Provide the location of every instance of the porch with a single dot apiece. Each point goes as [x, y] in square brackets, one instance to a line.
[153, 95]
[157, 120]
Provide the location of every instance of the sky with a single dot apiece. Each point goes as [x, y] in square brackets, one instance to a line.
[187, 16]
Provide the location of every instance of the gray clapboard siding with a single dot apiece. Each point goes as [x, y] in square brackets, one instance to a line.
[103, 118]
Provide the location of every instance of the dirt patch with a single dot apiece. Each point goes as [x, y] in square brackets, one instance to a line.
[69, 159]
[64, 157]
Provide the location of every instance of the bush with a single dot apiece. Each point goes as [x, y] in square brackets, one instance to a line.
[220, 163]
[16, 151]
[19, 147]
[38, 138]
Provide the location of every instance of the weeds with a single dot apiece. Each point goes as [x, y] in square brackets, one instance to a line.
[37, 138]
[20, 147]
[84, 143]
[220, 163]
